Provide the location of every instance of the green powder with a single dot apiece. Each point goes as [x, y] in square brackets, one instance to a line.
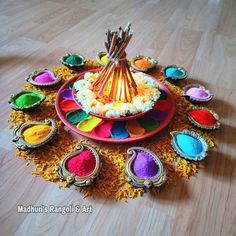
[74, 60]
[74, 117]
[148, 123]
[27, 99]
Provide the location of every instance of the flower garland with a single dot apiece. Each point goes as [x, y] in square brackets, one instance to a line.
[111, 180]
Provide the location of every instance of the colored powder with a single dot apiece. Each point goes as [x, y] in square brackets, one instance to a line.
[163, 95]
[76, 116]
[44, 78]
[197, 93]
[82, 164]
[27, 99]
[74, 60]
[103, 129]
[67, 94]
[189, 145]
[88, 124]
[173, 72]
[70, 86]
[203, 117]
[148, 123]
[36, 133]
[134, 129]
[162, 105]
[104, 59]
[143, 166]
[157, 115]
[142, 63]
[68, 105]
[118, 131]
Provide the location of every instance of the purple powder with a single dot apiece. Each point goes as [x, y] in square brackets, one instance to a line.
[157, 115]
[44, 78]
[67, 94]
[144, 166]
[197, 93]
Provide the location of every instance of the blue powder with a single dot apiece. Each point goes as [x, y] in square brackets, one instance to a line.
[118, 131]
[173, 72]
[189, 145]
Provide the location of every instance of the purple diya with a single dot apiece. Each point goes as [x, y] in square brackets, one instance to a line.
[42, 77]
[197, 93]
[144, 169]
[67, 94]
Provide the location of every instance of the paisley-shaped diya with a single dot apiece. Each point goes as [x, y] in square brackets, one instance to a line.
[25, 100]
[42, 77]
[101, 58]
[174, 73]
[203, 118]
[143, 63]
[80, 167]
[72, 61]
[189, 145]
[34, 134]
[144, 169]
[197, 93]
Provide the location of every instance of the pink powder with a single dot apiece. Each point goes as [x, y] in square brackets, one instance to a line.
[44, 78]
[197, 93]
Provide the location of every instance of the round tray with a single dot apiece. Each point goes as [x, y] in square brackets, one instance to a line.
[161, 126]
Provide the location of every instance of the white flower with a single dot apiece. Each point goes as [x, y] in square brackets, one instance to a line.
[142, 103]
[150, 82]
[90, 77]
[82, 84]
[85, 95]
[93, 106]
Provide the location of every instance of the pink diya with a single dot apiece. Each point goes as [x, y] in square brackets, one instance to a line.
[197, 93]
[43, 77]
[103, 129]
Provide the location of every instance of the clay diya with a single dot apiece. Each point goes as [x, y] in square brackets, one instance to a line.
[101, 58]
[34, 134]
[144, 169]
[72, 61]
[80, 167]
[197, 93]
[25, 100]
[143, 63]
[203, 118]
[189, 145]
[42, 77]
[174, 73]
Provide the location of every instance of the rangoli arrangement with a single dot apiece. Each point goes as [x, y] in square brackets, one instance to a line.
[88, 123]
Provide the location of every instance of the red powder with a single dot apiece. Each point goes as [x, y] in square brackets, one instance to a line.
[82, 164]
[162, 105]
[203, 117]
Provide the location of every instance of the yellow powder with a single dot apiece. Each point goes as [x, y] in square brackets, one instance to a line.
[36, 133]
[104, 59]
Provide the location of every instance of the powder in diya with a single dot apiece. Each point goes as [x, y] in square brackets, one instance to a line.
[36, 133]
[143, 166]
[174, 72]
[104, 59]
[74, 60]
[44, 78]
[76, 116]
[27, 99]
[148, 123]
[82, 164]
[118, 131]
[134, 129]
[142, 63]
[157, 115]
[68, 105]
[88, 124]
[197, 93]
[189, 145]
[203, 117]
[103, 129]
[67, 94]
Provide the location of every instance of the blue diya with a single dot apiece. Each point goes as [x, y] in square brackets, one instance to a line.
[144, 169]
[174, 73]
[189, 145]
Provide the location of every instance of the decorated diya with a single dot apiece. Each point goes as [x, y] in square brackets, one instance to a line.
[43, 77]
[101, 58]
[80, 167]
[73, 61]
[203, 118]
[34, 134]
[25, 100]
[197, 93]
[144, 169]
[143, 63]
[189, 145]
[174, 73]
[116, 92]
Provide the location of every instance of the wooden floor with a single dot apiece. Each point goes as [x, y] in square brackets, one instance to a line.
[197, 34]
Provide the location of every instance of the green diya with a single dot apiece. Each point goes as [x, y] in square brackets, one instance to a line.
[73, 61]
[25, 100]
